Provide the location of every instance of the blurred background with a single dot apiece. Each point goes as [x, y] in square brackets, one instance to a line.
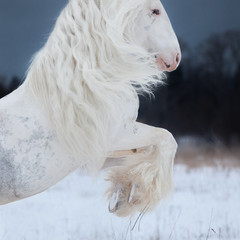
[199, 104]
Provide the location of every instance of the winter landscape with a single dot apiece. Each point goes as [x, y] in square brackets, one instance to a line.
[201, 98]
[205, 205]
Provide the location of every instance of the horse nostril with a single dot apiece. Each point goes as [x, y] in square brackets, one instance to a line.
[177, 58]
[167, 65]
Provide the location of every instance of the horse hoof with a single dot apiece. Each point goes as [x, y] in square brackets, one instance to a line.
[124, 199]
[114, 201]
[132, 192]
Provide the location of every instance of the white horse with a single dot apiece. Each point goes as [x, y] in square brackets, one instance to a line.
[79, 103]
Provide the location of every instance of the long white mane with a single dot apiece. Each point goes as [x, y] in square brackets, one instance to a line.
[88, 73]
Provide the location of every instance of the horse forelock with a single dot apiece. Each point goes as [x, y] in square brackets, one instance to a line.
[87, 68]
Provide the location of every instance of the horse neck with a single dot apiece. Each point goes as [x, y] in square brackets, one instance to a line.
[69, 65]
[69, 53]
[77, 99]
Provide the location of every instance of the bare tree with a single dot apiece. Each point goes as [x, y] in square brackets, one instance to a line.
[220, 55]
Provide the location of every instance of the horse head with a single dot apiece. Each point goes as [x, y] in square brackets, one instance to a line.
[155, 33]
[143, 23]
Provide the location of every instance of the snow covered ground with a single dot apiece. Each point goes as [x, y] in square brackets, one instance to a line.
[206, 205]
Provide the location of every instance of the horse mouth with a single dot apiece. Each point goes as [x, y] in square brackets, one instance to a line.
[163, 66]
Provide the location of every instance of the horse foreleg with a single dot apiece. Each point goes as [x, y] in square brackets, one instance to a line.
[145, 176]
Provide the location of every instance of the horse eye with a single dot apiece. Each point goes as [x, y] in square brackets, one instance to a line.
[156, 12]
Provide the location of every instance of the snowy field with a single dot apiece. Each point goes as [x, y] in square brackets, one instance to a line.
[206, 205]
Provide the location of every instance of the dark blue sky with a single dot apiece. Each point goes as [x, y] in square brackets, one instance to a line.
[25, 25]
